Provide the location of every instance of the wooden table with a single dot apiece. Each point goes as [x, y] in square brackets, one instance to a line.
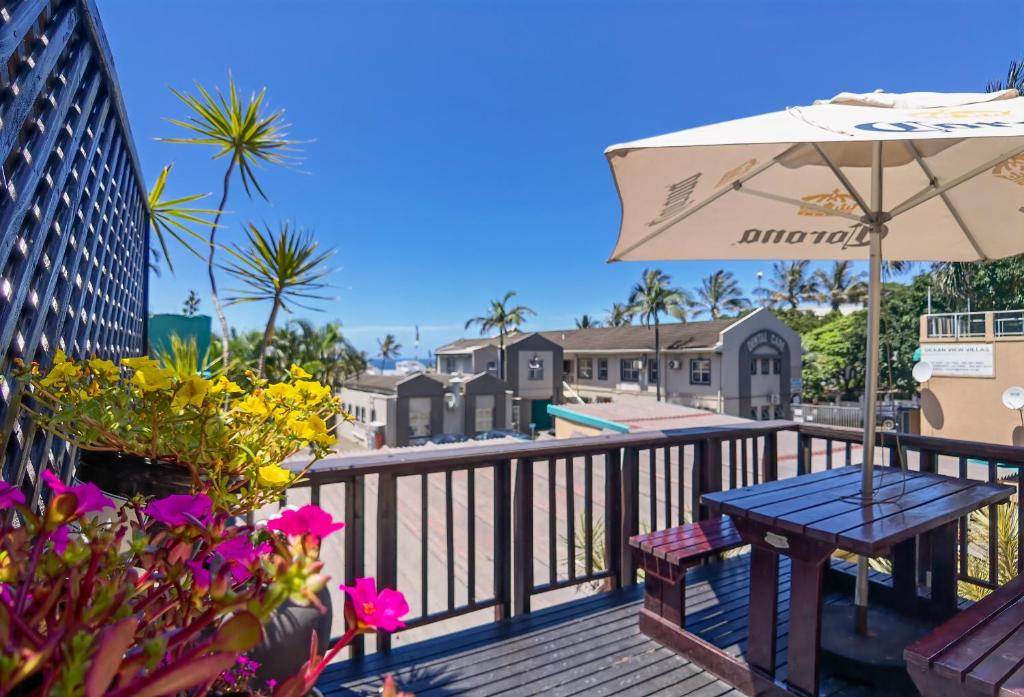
[807, 518]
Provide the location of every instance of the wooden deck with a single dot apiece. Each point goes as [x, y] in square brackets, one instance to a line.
[590, 646]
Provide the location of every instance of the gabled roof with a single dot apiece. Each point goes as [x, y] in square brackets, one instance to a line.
[472, 344]
[674, 336]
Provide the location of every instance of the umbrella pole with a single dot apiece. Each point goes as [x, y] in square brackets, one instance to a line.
[871, 372]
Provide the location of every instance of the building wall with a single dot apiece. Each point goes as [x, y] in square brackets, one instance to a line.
[971, 408]
[450, 364]
[760, 334]
[519, 355]
[366, 407]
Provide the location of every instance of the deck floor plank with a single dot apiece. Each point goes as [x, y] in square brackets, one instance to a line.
[591, 646]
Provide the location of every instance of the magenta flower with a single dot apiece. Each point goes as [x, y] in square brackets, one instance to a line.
[200, 576]
[59, 538]
[310, 519]
[241, 555]
[90, 498]
[10, 495]
[174, 510]
[372, 610]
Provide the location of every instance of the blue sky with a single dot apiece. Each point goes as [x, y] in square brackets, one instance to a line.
[456, 146]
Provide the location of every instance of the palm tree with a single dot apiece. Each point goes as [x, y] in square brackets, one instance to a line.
[504, 319]
[619, 316]
[191, 307]
[720, 292]
[587, 322]
[387, 347]
[245, 134]
[790, 284]
[175, 217]
[841, 285]
[284, 267]
[651, 298]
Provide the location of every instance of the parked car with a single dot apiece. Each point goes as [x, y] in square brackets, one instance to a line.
[494, 435]
[448, 438]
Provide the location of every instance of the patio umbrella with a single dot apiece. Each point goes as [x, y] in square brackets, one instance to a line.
[916, 176]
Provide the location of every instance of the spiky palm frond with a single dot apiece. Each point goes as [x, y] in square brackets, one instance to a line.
[790, 284]
[182, 356]
[175, 217]
[654, 296]
[619, 315]
[719, 293]
[388, 347]
[240, 130]
[840, 285]
[284, 264]
[587, 322]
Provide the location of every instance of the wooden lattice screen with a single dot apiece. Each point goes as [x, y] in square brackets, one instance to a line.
[73, 225]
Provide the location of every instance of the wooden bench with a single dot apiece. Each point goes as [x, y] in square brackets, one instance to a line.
[665, 556]
[978, 652]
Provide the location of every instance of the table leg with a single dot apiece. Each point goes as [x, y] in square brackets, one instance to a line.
[904, 574]
[944, 577]
[805, 624]
[763, 617]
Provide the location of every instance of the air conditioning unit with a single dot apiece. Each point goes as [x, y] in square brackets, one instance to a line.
[675, 364]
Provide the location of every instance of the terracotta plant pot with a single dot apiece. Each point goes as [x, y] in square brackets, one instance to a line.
[124, 476]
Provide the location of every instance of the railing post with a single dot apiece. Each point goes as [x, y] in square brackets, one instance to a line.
[711, 474]
[387, 542]
[770, 461]
[630, 510]
[522, 538]
[804, 453]
[355, 541]
[613, 516]
[502, 539]
[929, 460]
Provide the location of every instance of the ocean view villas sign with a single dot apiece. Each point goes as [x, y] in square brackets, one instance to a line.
[960, 360]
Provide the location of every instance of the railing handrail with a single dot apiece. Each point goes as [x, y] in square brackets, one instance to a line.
[936, 444]
[427, 460]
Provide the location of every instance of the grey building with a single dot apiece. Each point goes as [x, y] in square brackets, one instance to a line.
[747, 366]
[533, 371]
[410, 409]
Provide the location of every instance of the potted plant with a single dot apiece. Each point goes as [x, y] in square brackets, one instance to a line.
[143, 428]
[171, 612]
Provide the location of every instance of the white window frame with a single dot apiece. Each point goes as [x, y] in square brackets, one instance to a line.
[703, 369]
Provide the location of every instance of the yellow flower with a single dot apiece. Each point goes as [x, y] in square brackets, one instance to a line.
[105, 369]
[312, 391]
[253, 404]
[61, 373]
[298, 373]
[192, 391]
[312, 429]
[282, 390]
[140, 363]
[274, 475]
[151, 379]
[60, 357]
[222, 384]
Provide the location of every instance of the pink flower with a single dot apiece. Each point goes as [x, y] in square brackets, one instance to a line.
[90, 498]
[59, 538]
[310, 519]
[200, 576]
[372, 610]
[176, 509]
[10, 496]
[241, 555]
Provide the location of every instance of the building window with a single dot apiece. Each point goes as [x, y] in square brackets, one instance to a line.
[777, 366]
[567, 369]
[483, 415]
[373, 415]
[766, 412]
[766, 366]
[450, 365]
[630, 369]
[780, 412]
[602, 368]
[700, 371]
[753, 413]
[652, 371]
[492, 366]
[419, 417]
[585, 369]
[753, 366]
[536, 369]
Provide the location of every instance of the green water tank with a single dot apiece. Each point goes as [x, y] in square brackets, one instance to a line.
[163, 327]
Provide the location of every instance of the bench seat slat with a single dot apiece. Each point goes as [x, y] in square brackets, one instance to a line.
[999, 664]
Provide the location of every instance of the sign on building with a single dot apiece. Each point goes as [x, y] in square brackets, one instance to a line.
[960, 360]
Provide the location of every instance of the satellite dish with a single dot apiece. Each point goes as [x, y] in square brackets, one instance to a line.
[922, 371]
[1013, 398]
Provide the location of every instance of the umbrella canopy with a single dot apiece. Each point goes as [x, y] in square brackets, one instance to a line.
[924, 175]
[796, 184]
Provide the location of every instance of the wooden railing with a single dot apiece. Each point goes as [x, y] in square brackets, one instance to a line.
[492, 527]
